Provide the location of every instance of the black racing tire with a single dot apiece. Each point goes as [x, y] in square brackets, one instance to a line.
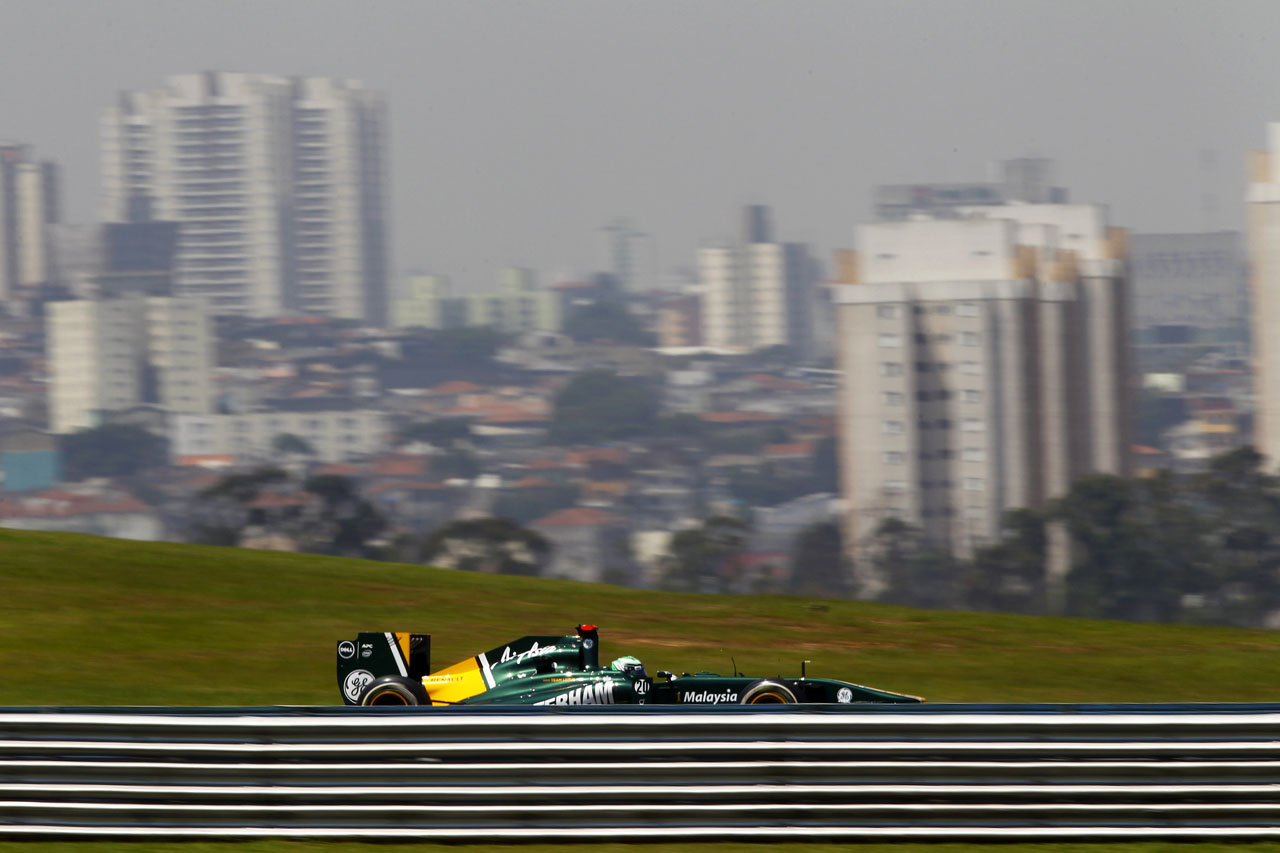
[393, 690]
[766, 692]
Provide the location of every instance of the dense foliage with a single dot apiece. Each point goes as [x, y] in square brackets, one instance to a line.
[600, 405]
[1170, 548]
[112, 450]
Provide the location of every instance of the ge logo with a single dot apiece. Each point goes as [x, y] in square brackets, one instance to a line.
[642, 687]
[346, 650]
[355, 682]
[588, 643]
[844, 696]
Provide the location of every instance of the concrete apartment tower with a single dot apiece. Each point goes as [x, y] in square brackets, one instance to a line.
[1264, 264]
[278, 186]
[983, 361]
[28, 208]
[757, 293]
[111, 354]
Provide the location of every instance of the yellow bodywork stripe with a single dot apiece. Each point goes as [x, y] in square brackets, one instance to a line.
[403, 640]
[455, 683]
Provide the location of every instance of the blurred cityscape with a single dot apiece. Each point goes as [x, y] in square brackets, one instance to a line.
[942, 413]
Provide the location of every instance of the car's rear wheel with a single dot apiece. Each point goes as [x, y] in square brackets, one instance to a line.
[393, 690]
[767, 693]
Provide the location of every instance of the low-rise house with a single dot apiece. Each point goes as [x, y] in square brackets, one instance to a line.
[588, 545]
[100, 512]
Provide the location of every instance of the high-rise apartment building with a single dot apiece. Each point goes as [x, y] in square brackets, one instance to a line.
[1264, 268]
[110, 354]
[278, 186]
[28, 209]
[757, 293]
[983, 362]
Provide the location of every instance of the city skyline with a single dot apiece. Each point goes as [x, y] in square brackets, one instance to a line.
[505, 152]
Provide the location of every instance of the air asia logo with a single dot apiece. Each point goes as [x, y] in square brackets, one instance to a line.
[533, 651]
[845, 695]
[600, 693]
[346, 650]
[355, 682]
[710, 698]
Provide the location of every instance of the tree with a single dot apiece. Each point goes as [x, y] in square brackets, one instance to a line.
[917, 572]
[826, 466]
[606, 320]
[347, 522]
[112, 450]
[818, 565]
[487, 545]
[699, 559]
[600, 405]
[1010, 574]
[289, 444]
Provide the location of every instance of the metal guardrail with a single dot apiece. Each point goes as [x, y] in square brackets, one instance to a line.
[1050, 772]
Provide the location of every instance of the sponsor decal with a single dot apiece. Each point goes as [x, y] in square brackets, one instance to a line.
[598, 693]
[709, 698]
[366, 650]
[533, 651]
[346, 650]
[588, 643]
[845, 695]
[356, 681]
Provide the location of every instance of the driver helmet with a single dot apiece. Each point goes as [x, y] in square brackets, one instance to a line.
[630, 666]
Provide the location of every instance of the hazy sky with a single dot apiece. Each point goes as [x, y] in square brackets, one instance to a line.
[519, 128]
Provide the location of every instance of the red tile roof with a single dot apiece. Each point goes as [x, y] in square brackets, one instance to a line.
[530, 483]
[794, 449]
[457, 386]
[595, 454]
[737, 417]
[399, 466]
[274, 500]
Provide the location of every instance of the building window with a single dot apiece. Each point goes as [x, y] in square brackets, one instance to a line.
[895, 487]
[974, 484]
[969, 368]
[942, 309]
[967, 309]
[974, 513]
[891, 398]
[943, 424]
[921, 338]
[887, 312]
[972, 425]
[890, 340]
[893, 427]
[923, 366]
[894, 457]
[969, 339]
[971, 396]
[890, 368]
[974, 454]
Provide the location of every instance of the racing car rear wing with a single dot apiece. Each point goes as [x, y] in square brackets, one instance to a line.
[373, 655]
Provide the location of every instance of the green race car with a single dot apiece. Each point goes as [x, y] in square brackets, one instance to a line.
[395, 669]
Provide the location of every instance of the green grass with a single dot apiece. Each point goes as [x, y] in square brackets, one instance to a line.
[85, 620]
[96, 621]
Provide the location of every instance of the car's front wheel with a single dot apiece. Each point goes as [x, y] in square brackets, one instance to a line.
[767, 693]
[394, 690]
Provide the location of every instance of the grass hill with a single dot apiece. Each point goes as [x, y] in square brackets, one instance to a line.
[102, 621]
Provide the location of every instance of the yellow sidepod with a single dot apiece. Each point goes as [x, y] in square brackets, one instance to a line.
[455, 683]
